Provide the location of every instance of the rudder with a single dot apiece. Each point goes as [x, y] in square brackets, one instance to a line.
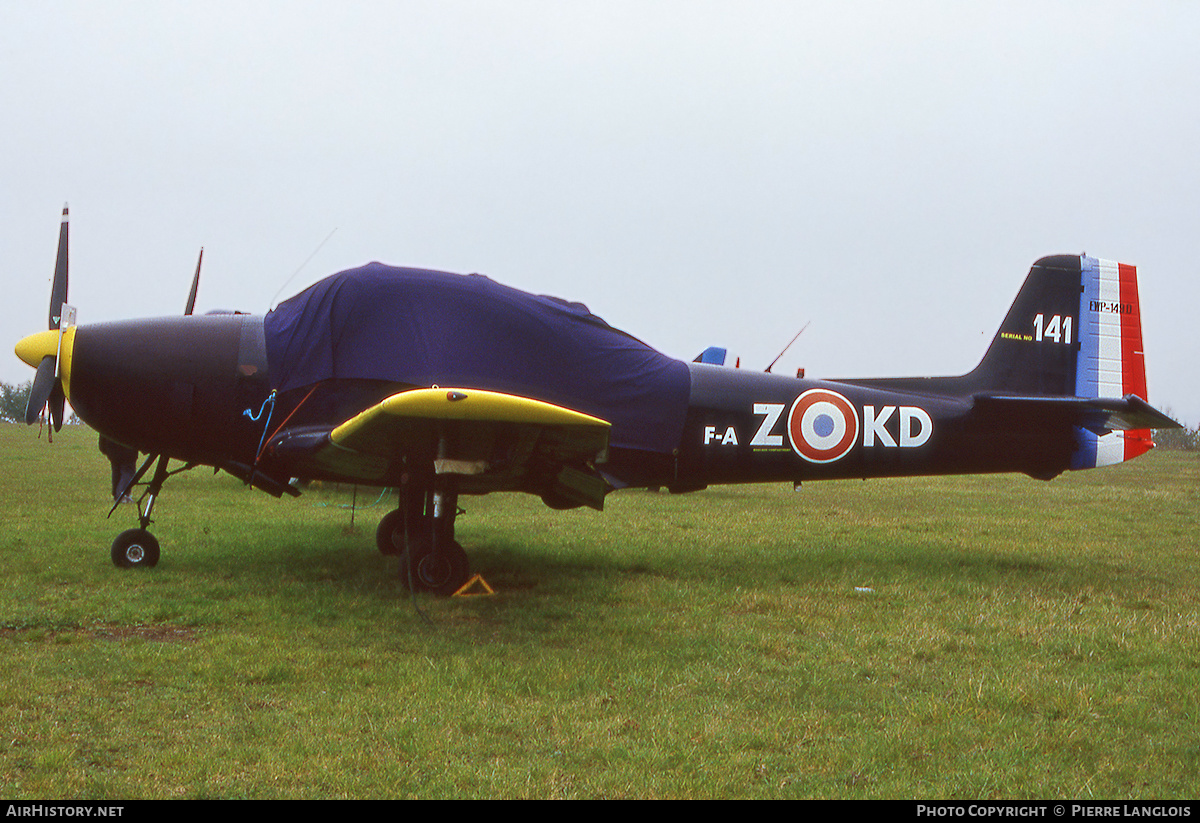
[1111, 360]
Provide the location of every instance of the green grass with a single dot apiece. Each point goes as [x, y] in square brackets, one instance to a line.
[982, 637]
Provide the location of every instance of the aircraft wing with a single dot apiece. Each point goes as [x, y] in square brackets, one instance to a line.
[490, 440]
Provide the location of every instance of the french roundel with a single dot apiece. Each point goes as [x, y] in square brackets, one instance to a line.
[822, 426]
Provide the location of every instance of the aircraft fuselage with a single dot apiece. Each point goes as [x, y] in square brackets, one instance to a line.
[195, 388]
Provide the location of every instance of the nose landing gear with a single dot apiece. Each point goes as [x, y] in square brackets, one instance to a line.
[138, 548]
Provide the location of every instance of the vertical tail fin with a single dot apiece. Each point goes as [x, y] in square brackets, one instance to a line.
[1074, 331]
[1035, 352]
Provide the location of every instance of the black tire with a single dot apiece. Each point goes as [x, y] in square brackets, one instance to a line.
[389, 536]
[558, 502]
[443, 575]
[390, 533]
[135, 549]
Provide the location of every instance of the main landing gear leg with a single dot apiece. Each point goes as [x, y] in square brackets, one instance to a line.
[421, 532]
[443, 568]
[138, 548]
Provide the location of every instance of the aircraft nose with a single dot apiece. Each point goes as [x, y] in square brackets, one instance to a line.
[34, 348]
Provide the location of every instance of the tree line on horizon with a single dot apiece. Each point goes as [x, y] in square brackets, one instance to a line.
[15, 397]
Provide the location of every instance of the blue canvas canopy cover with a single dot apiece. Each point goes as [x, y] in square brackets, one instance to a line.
[426, 328]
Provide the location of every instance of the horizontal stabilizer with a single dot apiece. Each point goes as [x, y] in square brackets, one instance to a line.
[1099, 415]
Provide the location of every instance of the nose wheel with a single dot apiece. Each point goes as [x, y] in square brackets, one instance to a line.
[135, 549]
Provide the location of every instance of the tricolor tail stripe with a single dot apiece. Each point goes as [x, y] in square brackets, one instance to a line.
[1111, 362]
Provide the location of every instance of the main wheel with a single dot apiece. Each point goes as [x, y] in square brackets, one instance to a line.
[558, 502]
[390, 533]
[389, 536]
[444, 574]
[135, 549]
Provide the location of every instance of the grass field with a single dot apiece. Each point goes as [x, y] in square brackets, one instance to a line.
[981, 637]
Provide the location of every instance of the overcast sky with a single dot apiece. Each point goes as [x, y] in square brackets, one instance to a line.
[698, 173]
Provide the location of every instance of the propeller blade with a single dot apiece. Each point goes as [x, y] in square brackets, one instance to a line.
[191, 301]
[43, 385]
[57, 402]
[58, 292]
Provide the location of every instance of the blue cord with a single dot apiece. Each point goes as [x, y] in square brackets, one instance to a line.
[270, 399]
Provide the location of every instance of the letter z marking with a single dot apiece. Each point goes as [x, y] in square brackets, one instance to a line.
[763, 436]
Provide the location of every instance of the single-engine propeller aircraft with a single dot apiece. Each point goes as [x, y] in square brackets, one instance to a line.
[445, 385]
